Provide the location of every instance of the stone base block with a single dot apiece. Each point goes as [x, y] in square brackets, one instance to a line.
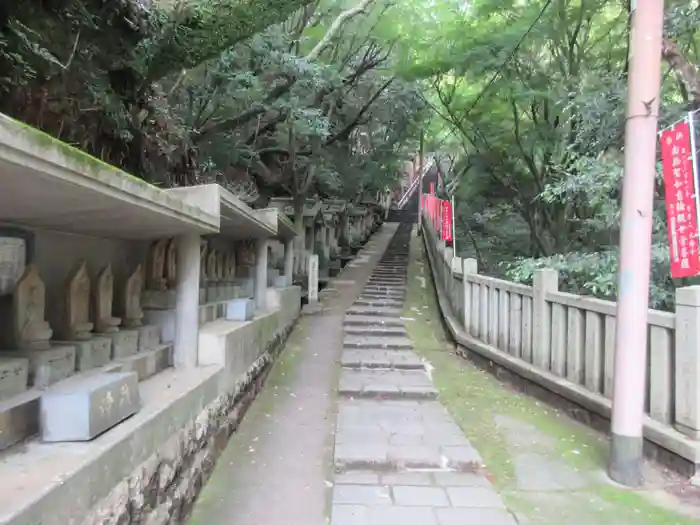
[148, 363]
[47, 366]
[159, 299]
[202, 295]
[91, 354]
[125, 342]
[149, 338]
[19, 418]
[14, 375]
[81, 409]
[240, 310]
[280, 282]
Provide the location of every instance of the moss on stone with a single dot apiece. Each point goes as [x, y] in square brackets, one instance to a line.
[91, 164]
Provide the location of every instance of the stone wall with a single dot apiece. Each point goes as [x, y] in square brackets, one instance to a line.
[150, 468]
[163, 488]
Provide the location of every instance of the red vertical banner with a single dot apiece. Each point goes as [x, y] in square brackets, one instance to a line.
[432, 188]
[681, 211]
[446, 221]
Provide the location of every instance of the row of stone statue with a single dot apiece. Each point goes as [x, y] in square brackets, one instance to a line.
[216, 265]
[30, 331]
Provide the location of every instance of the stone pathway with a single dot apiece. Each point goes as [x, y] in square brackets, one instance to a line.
[399, 457]
[275, 469]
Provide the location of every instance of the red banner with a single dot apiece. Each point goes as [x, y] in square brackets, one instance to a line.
[447, 221]
[677, 162]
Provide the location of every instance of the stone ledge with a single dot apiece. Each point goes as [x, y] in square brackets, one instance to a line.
[668, 439]
[151, 464]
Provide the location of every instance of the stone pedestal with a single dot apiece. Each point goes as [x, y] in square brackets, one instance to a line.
[14, 376]
[124, 343]
[82, 409]
[240, 310]
[202, 295]
[281, 282]
[46, 367]
[149, 338]
[90, 354]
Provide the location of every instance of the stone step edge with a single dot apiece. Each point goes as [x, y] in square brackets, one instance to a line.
[395, 466]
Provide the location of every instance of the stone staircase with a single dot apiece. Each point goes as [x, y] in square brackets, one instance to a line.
[399, 457]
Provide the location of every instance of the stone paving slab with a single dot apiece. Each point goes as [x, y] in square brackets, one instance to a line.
[394, 435]
[364, 341]
[374, 330]
[371, 310]
[403, 359]
[372, 320]
[387, 384]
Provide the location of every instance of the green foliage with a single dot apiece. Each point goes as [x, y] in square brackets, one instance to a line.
[232, 91]
[532, 112]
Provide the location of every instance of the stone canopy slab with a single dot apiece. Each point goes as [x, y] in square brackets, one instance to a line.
[45, 183]
[238, 221]
[285, 227]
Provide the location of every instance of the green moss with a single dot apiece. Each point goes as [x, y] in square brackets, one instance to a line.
[474, 398]
[94, 165]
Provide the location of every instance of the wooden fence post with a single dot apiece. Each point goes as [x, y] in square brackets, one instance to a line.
[687, 362]
[469, 267]
[545, 280]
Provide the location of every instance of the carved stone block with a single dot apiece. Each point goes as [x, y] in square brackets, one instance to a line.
[124, 343]
[46, 366]
[84, 408]
[14, 375]
[91, 354]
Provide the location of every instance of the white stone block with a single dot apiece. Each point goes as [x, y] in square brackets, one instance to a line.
[280, 282]
[240, 310]
[81, 409]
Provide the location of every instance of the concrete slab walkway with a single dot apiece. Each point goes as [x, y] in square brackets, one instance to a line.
[277, 466]
[400, 459]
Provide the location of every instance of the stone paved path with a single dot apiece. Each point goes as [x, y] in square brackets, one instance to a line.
[399, 457]
[276, 467]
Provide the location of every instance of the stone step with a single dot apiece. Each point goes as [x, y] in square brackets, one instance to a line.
[371, 320]
[368, 310]
[388, 342]
[386, 384]
[385, 359]
[380, 331]
[383, 295]
[378, 302]
[399, 435]
[386, 290]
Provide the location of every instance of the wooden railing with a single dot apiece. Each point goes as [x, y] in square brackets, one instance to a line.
[573, 337]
